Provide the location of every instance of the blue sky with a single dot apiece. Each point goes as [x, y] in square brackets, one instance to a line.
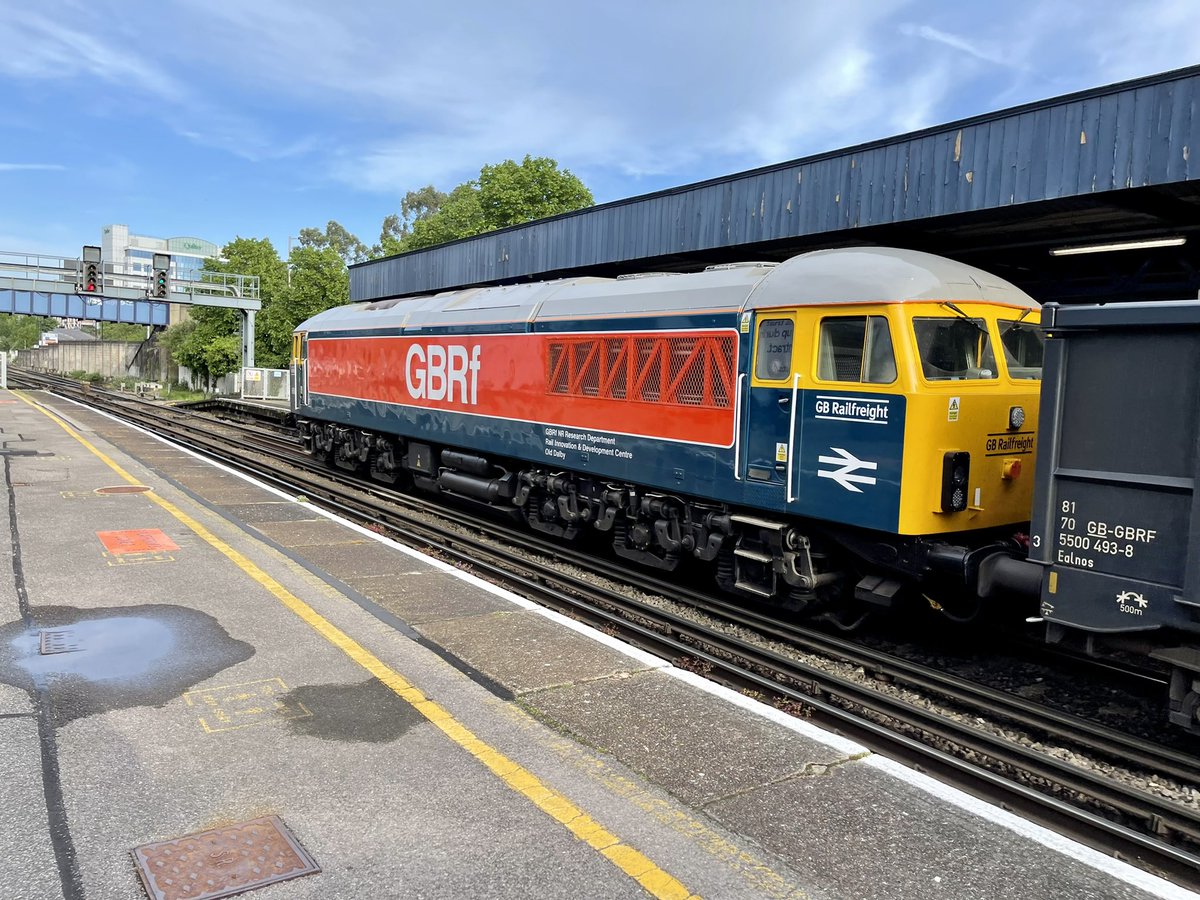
[257, 118]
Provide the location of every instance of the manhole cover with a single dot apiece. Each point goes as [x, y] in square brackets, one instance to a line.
[123, 489]
[222, 862]
[58, 640]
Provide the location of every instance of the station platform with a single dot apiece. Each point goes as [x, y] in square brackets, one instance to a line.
[186, 669]
[271, 409]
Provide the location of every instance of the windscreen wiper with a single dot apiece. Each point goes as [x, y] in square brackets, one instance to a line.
[962, 315]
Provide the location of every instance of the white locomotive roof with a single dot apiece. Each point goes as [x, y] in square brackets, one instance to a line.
[848, 275]
[880, 275]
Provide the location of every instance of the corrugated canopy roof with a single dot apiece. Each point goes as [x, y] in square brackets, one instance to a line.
[997, 190]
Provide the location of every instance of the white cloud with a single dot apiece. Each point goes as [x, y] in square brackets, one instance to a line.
[384, 97]
[929, 33]
[42, 47]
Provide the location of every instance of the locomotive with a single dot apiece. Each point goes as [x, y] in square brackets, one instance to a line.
[835, 432]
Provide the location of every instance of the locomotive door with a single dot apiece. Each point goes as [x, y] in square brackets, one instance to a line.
[770, 403]
[300, 368]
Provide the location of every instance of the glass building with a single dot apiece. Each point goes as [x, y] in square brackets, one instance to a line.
[133, 254]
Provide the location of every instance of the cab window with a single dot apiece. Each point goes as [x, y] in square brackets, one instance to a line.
[774, 356]
[953, 349]
[1023, 348]
[856, 348]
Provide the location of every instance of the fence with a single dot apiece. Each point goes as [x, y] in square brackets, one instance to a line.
[265, 384]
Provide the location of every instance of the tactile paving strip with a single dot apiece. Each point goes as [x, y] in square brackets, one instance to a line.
[223, 861]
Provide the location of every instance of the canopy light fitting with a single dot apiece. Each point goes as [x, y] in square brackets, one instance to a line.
[1124, 245]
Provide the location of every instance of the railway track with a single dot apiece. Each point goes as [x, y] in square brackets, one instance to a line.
[1152, 831]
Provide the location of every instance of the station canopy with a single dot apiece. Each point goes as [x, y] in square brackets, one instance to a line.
[1016, 192]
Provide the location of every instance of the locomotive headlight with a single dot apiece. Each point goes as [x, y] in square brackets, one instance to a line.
[1016, 417]
[956, 475]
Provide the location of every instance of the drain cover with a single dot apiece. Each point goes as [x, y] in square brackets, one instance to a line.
[123, 489]
[58, 640]
[222, 862]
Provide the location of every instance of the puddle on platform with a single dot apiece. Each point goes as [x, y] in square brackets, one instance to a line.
[127, 656]
[368, 711]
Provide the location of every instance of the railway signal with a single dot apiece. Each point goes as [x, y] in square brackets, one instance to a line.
[160, 281]
[90, 281]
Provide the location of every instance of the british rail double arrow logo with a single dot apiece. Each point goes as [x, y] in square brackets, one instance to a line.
[849, 464]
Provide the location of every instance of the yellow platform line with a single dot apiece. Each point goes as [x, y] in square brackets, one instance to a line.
[632, 862]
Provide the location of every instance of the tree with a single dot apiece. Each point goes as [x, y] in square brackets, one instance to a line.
[121, 331]
[211, 345]
[254, 256]
[510, 194]
[22, 332]
[247, 256]
[222, 355]
[337, 238]
[319, 281]
[504, 194]
[460, 216]
[415, 207]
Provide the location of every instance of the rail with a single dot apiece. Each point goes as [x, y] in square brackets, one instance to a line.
[1119, 818]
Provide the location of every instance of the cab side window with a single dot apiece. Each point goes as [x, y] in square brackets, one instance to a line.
[856, 348]
[773, 360]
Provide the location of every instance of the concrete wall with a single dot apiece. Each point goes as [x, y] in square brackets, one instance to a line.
[113, 359]
[120, 359]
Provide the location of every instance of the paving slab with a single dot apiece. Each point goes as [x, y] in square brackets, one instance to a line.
[201, 690]
[525, 651]
[827, 822]
[426, 595]
[307, 533]
[225, 700]
[27, 866]
[697, 749]
[272, 511]
[350, 560]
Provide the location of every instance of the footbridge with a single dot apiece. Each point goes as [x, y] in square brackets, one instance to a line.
[35, 284]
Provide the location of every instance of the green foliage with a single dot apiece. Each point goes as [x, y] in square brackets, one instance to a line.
[242, 256]
[319, 281]
[190, 341]
[254, 256]
[314, 278]
[209, 343]
[223, 355]
[89, 377]
[22, 332]
[460, 216]
[416, 206]
[176, 394]
[504, 194]
[510, 194]
[121, 331]
[336, 238]
[174, 337]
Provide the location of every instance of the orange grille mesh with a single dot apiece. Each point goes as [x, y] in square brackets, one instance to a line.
[676, 370]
